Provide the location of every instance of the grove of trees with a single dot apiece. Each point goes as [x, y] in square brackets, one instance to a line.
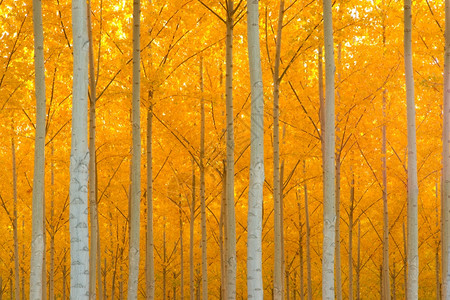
[225, 149]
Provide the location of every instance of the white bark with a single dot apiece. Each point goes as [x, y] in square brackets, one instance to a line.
[413, 190]
[446, 162]
[278, 288]
[255, 194]
[38, 234]
[230, 237]
[79, 157]
[329, 213]
[16, 239]
[191, 238]
[133, 273]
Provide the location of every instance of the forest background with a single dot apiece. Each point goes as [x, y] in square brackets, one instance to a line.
[176, 38]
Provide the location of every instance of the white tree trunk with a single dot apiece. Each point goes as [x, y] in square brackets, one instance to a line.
[329, 212]
[38, 234]
[16, 239]
[230, 238]
[133, 273]
[278, 290]
[191, 238]
[413, 190]
[93, 241]
[446, 162]
[255, 194]
[79, 157]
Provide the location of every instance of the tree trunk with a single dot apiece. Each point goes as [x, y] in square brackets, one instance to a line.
[405, 262]
[79, 158]
[278, 291]
[191, 239]
[133, 274]
[51, 292]
[308, 235]
[350, 238]
[386, 289]
[94, 234]
[230, 238]
[338, 265]
[16, 238]
[438, 265]
[150, 272]
[413, 190]
[358, 263]
[445, 212]
[255, 194]
[329, 213]
[300, 250]
[38, 233]
[222, 226]
[202, 191]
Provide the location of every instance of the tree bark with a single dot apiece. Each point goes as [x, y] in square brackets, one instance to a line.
[133, 274]
[278, 288]
[329, 213]
[413, 190]
[16, 238]
[445, 212]
[255, 194]
[150, 272]
[202, 191]
[230, 238]
[308, 235]
[38, 233]
[350, 238]
[191, 239]
[79, 158]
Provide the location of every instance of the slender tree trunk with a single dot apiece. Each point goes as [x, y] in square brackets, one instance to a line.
[308, 235]
[230, 215]
[202, 191]
[79, 158]
[51, 294]
[278, 256]
[191, 239]
[255, 194]
[445, 213]
[181, 252]
[38, 233]
[222, 227]
[300, 250]
[338, 265]
[350, 238]
[93, 247]
[150, 272]
[438, 266]
[386, 289]
[16, 238]
[133, 274]
[413, 190]
[358, 263]
[329, 212]
[405, 262]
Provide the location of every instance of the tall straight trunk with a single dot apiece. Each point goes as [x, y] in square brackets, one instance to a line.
[202, 190]
[438, 266]
[329, 212]
[191, 239]
[337, 236]
[300, 250]
[38, 233]
[413, 190]
[51, 289]
[358, 263]
[181, 252]
[386, 289]
[222, 226]
[16, 238]
[79, 158]
[230, 214]
[150, 270]
[308, 235]
[255, 194]
[133, 273]
[445, 213]
[350, 238]
[278, 288]
[405, 262]
[93, 247]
